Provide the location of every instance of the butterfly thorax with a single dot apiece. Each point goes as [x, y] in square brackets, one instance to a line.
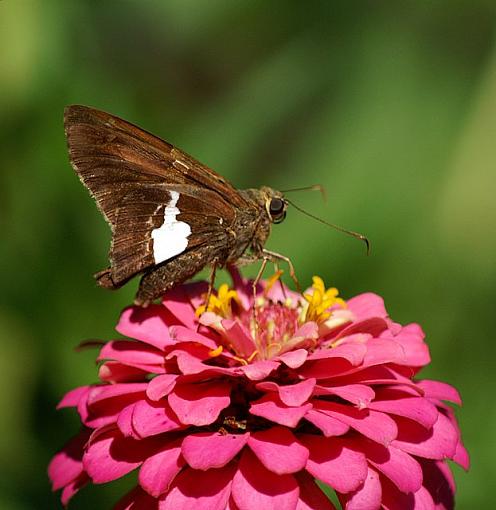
[252, 225]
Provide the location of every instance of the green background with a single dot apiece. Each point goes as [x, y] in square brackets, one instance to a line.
[390, 105]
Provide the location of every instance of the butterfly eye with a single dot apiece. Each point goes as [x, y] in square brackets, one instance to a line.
[277, 210]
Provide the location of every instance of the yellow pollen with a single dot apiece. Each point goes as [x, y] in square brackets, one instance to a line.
[248, 360]
[219, 304]
[252, 356]
[320, 300]
[277, 345]
[241, 360]
[216, 352]
[273, 279]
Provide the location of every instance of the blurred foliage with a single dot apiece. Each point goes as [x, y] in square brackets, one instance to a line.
[390, 105]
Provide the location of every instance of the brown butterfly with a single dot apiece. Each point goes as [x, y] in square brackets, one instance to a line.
[170, 215]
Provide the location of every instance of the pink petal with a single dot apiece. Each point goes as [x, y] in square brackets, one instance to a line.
[297, 394]
[137, 499]
[304, 337]
[159, 470]
[178, 302]
[231, 505]
[423, 500]
[111, 456]
[374, 376]
[256, 487]
[73, 397]
[243, 287]
[329, 426]
[125, 422]
[437, 443]
[325, 368]
[184, 334]
[278, 450]
[402, 469]
[334, 463]
[201, 490]
[67, 464]
[239, 337]
[416, 408]
[440, 390]
[149, 325]
[130, 352]
[461, 456]
[272, 408]
[208, 450]
[367, 305]
[116, 372]
[200, 404]
[292, 394]
[373, 326]
[73, 487]
[294, 359]
[190, 360]
[160, 386]
[381, 351]
[152, 418]
[259, 369]
[105, 403]
[358, 394]
[108, 391]
[354, 352]
[394, 499]
[438, 480]
[372, 424]
[411, 340]
[311, 496]
[366, 497]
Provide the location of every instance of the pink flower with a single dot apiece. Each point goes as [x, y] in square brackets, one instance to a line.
[244, 407]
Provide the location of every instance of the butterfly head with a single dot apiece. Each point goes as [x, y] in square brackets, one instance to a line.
[275, 204]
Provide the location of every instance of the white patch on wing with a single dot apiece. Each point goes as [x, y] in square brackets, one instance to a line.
[171, 238]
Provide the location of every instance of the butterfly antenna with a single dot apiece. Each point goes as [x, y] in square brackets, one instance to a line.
[356, 235]
[314, 187]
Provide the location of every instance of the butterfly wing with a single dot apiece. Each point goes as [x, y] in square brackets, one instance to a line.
[158, 200]
[155, 223]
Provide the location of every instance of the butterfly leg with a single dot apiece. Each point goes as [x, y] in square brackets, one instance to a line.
[246, 260]
[283, 289]
[274, 256]
[254, 285]
[251, 258]
[211, 284]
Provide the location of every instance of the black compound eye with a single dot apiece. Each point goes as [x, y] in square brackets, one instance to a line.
[277, 209]
[276, 206]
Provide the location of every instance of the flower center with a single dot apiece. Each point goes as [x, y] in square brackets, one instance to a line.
[272, 325]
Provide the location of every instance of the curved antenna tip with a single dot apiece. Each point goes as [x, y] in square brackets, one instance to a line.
[356, 235]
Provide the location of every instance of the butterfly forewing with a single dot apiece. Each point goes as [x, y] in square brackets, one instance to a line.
[158, 200]
[111, 155]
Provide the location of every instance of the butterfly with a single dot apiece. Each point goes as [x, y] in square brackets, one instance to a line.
[169, 214]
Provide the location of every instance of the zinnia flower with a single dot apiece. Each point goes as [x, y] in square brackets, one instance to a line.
[245, 405]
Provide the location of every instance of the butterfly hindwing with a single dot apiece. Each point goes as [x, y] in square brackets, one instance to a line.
[156, 223]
